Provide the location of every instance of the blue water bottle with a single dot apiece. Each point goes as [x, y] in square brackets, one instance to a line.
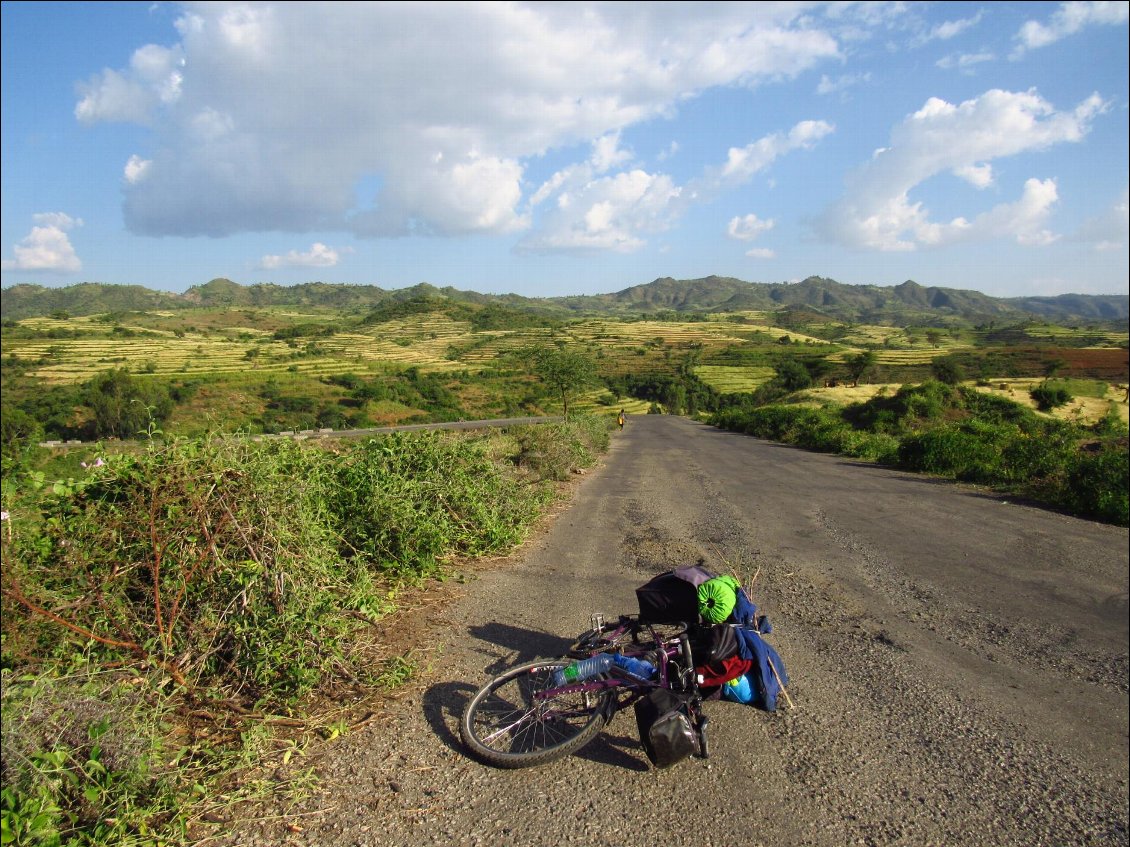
[636, 667]
[739, 690]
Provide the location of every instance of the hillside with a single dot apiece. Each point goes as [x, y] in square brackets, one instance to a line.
[904, 304]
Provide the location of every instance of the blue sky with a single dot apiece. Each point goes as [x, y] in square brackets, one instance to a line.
[548, 149]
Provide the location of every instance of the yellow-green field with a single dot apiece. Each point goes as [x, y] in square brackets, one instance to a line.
[1085, 409]
[734, 379]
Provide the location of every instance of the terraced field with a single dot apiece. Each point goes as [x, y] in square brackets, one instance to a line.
[734, 380]
[422, 343]
[244, 346]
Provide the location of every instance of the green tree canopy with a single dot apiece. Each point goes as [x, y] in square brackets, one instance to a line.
[947, 370]
[563, 371]
[859, 364]
[792, 375]
[124, 406]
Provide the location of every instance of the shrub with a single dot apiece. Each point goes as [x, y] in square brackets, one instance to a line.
[911, 408]
[213, 562]
[553, 451]
[404, 501]
[205, 578]
[1096, 484]
[83, 755]
[965, 434]
[947, 370]
[1050, 397]
[950, 451]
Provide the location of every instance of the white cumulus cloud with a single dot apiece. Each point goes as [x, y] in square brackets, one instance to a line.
[153, 79]
[964, 62]
[748, 228]
[608, 213]
[135, 169]
[840, 84]
[318, 256]
[594, 211]
[271, 116]
[1068, 19]
[47, 247]
[743, 162]
[950, 29]
[962, 139]
[761, 253]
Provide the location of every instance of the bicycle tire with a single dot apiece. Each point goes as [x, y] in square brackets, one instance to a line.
[504, 726]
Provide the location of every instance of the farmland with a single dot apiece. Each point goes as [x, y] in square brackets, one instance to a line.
[257, 368]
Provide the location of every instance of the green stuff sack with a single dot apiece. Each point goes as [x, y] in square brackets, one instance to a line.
[716, 599]
[730, 581]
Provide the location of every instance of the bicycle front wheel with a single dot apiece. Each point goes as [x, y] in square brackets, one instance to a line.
[508, 726]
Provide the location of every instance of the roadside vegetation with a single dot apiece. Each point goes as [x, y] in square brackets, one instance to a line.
[173, 616]
[968, 435]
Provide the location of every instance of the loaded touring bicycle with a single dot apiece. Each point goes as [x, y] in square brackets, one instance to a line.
[697, 636]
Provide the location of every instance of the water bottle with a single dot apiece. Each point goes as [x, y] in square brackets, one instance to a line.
[739, 690]
[636, 667]
[583, 669]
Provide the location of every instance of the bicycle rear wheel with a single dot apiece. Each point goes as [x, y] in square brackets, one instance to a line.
[507, 726]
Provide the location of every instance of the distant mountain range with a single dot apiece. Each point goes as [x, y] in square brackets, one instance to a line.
[901, 304]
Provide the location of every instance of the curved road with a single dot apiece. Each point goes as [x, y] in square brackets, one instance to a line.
[958, 664]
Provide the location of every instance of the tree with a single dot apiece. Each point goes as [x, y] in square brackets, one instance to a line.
[1053, 366]
[18, 432]
[124, 406]
[859, 364]
[793, 375]
[1050, 397]
[562, 370]
[947, 370]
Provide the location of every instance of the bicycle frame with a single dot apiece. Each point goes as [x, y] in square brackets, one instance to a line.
[670, 647]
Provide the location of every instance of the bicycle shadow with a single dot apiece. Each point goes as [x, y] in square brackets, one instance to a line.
[443, 705]
[521, 644]
[617, 751]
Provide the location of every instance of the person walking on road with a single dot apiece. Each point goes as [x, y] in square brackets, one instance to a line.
[620, 419]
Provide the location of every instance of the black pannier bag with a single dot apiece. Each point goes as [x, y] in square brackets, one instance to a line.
[711, 644]
[666, 731]
[671, 597]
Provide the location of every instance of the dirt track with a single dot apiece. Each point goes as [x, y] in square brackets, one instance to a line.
[958, 663]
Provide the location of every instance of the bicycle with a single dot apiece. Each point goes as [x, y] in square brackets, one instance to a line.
[530, 716]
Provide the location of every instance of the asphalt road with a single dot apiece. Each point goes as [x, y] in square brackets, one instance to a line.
[958, 669]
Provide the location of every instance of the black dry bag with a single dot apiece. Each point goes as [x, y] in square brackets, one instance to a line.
[665, 728]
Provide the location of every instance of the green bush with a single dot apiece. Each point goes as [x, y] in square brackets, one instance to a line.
[405, 501]
[1050, 397]
[963, 434]
[222, 575]
[553, 451]
[950, 451]
[1096, 484]
[910, 408]
[85, 761]
[200, 559]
